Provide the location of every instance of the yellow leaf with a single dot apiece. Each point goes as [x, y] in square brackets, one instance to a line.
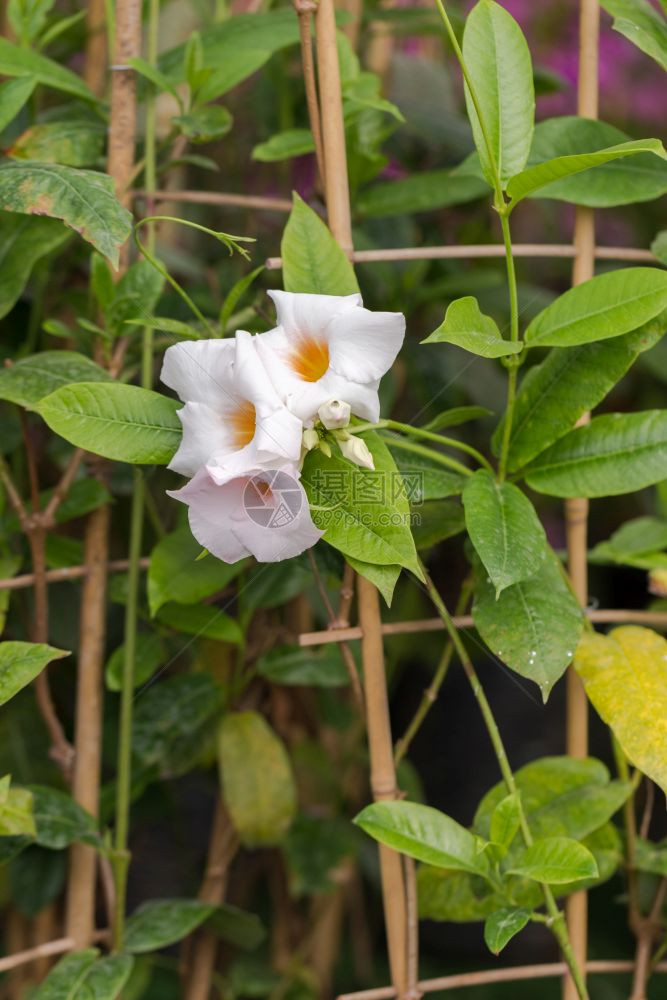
[625, 676]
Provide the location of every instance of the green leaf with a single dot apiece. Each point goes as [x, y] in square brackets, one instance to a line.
[642, 536]
[60, 821]
[422, 192]
[321, 667]
[315, 849]
[616, 453]
[555, 860]
[238, 927]
[639, 22]
[18, 61]
[504, 528]
[28, 18]
[650, 857]
[177, 574]
[351, 505]
[659, 246]
[269, 585]
[568, 383]
[312, 259]
[75, 143]
[424, 479]
[605, 306]
[36, 878]
[234, 295]
[83, 199]
[66, 980]
[107, 978]
[505, 821]
[174, 722]
[23, 241]
[150, 653]
[436, 521]
[466, 326]
[121, 422]
[204, 124]
[14, 94]
[257, 780]
[284, 146]
[29, 380]
[137, 293]
[503, 925]
[641, 177]
[457, 896]
[384, 578]
[16, 811]
[534, 626]
[201, 620]
[425, 834]
[534, 178]
[21, 662]
[561, 796]
[162, 922]
[624, 677]
[499, 65]
[151, 73]
[455, 416]
[240, 45]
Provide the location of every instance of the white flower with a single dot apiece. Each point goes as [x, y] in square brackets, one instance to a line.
[263, 513]
[231, 407]
[329, 347]
[334, 414]
[355, 450]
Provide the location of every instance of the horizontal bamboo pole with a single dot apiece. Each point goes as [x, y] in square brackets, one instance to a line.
[65, 573]
[564, 250]
[658, 619]
[57, 947]
[548, 970]
[220, 198]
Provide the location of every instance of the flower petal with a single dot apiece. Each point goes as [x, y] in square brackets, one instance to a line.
[278, 524]
[363, 345]
[301, 312]
[201, 371]
[209, 512]
[205, 432]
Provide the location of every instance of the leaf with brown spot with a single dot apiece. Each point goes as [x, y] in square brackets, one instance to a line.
[83, 199]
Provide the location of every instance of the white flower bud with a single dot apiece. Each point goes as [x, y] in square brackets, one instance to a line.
[334, 414]
[356, 450]
[310, 439]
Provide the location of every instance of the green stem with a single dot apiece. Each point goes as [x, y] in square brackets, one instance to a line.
[418, 432]
[431, 693]
[558, 926]
[120, 857]
[434, 456]
[514, 336]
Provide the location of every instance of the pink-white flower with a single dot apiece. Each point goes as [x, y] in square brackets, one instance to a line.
[329, 347]
[263, 513]
[231, 408]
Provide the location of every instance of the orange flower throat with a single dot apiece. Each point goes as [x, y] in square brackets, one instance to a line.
[310, 358]
[243, 421]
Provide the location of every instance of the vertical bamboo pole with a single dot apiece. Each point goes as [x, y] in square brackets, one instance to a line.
[95, 67]
[383, 775]
[80, 910]
[576, 510]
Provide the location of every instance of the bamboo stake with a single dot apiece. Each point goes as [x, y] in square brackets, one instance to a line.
[223, 845]
[95, 66]
[65, 573]
[513, 974]
[576, 511]
[487, 250]
[383, 777]
[655, 619]
[80, 911]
